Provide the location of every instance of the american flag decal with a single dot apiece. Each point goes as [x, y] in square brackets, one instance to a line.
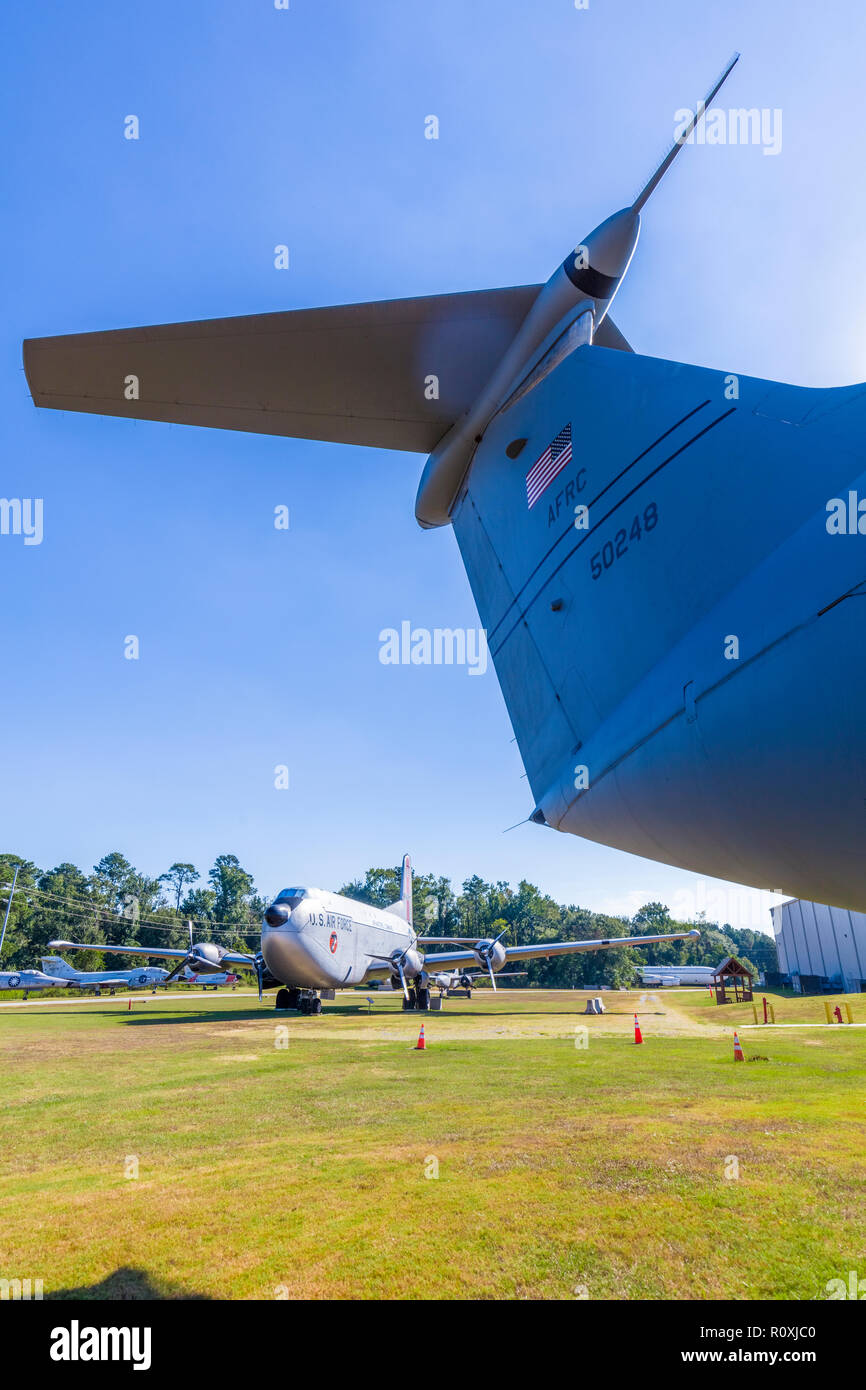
[556, 456]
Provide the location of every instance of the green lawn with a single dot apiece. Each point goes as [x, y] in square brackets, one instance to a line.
[301, 1171]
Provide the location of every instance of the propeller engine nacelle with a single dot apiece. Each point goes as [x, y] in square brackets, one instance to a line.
[413, 964]
[206, 958]
[406, 965]
[490, 954]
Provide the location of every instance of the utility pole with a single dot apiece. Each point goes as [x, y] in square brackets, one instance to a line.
[8, 906]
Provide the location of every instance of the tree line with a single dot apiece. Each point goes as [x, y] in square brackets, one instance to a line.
[528, 915]
[117, 903]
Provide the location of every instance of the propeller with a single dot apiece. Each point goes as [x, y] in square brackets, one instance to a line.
[396, 962]
[399, 965]
[182, 964]
[205, 956]
[176, 969]
[485, 952]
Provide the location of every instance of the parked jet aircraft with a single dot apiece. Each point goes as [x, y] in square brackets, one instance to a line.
[149, 976]
[663, 556]
[29, 980]
[192, 977]
[314, 940]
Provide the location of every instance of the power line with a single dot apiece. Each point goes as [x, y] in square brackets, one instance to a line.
[109, 918]
[93, 906]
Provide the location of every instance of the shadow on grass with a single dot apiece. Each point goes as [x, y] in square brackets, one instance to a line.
[348, 1011]
[190, 1015]
[125, 1286]
[202, 1015]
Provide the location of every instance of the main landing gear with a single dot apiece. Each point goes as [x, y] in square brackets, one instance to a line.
[418, 999]
[306, 1001]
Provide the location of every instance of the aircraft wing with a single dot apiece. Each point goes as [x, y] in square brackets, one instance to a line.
[446, 940]
[99, 984]
[159, 952]
[351, 374]
[541, 950]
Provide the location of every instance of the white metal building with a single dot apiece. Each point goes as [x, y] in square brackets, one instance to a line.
[820, 946]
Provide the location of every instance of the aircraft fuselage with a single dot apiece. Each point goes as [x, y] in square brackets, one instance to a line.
[326, 941]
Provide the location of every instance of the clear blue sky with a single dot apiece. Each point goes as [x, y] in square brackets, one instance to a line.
[305, 127]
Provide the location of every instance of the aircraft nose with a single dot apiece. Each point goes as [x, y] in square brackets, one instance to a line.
[277, 915]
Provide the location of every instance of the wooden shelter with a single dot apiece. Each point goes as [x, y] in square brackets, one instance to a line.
[733, 982]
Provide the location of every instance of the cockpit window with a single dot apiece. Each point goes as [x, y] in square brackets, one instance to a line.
[293, 895]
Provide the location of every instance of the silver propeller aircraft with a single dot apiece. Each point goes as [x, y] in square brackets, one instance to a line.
[668, 560]
[314, 940]
[448, 981]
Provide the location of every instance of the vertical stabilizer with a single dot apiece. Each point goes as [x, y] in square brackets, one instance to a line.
[403, 906]
[60, 969]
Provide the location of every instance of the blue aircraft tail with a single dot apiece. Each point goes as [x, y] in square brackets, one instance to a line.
[637, 532]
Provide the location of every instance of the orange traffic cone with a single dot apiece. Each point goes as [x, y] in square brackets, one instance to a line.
[738, 1051]
[637, 1032]
[420, 1045]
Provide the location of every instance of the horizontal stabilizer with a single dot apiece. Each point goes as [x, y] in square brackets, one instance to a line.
[392, 374]
[352, 374]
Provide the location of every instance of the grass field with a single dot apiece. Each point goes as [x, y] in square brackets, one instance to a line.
[308, 1169]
